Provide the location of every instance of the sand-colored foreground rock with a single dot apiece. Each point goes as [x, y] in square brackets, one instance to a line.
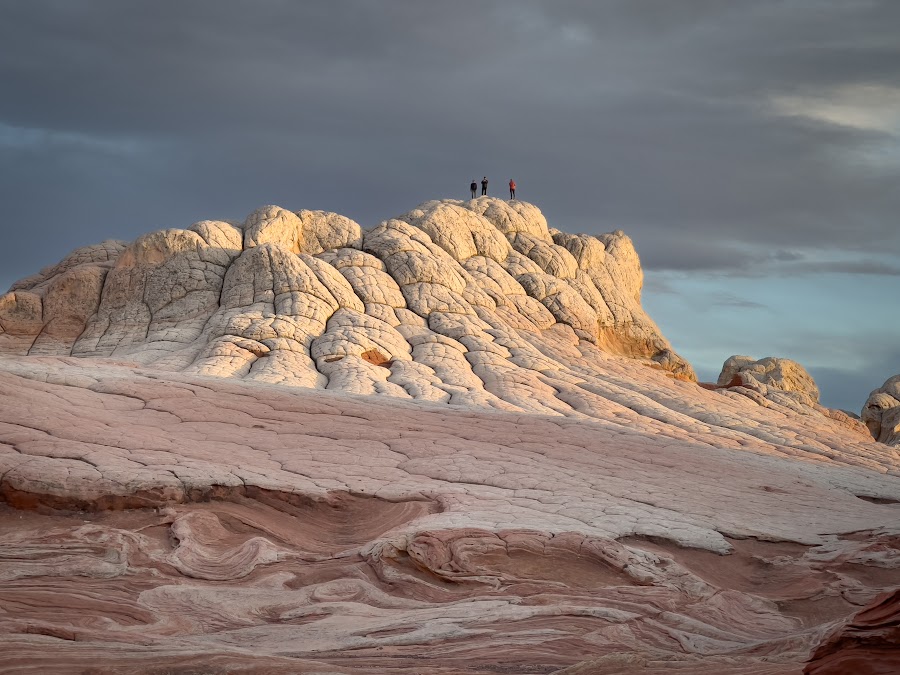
[163, 522]
[453, 442]
[881, 412]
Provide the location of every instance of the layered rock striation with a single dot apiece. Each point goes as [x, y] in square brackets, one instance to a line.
[158, 522]
[869, 643]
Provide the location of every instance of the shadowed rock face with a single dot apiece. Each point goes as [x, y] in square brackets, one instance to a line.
[540, 487]
[869, 643]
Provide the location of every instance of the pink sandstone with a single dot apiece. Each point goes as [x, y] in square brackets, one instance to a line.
[452, 443]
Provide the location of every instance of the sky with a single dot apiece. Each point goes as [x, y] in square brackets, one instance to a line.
[750, 149]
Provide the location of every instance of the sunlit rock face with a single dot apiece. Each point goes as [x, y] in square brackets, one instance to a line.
[442, 293]
[452, 442]
[781, 380]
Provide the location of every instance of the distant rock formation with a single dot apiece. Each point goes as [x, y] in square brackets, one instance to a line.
[781, 380]
[307, 299]
[770, 377]
[881, 413]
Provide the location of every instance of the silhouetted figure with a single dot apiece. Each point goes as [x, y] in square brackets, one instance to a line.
[512, 189]
[474, 188]
[484, 186]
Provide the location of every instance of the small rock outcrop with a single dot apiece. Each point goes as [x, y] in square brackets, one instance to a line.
[783, 381]
[881, 413]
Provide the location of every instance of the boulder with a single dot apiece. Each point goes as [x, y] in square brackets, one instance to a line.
[772, 377]
[881, 412]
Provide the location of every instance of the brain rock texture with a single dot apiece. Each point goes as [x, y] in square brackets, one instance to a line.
[431, 305]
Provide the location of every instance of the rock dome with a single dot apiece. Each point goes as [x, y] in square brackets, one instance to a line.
[453, 295]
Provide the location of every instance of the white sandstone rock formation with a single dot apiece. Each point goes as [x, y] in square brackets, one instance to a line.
[441, 304]
[881, 412]
[187, 495]
[783, 381]
[45, 313]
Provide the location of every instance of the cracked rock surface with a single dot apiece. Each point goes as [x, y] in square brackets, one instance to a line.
[450, 293]
[453, 442]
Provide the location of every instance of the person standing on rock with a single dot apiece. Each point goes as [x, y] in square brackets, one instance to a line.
[484, 183]
[473, 187]
[512, 189]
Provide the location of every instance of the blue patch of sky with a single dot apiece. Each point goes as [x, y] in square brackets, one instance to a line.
[829, 323]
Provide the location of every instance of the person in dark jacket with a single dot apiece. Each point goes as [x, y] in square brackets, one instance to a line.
[484, 183]
[473, 187]
[512, 189]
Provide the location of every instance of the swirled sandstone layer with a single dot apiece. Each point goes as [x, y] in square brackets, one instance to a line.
[161, 522]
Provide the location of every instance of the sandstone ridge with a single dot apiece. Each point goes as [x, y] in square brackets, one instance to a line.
[437, 304]
[159, 522]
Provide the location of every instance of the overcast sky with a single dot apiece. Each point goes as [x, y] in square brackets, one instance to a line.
[750, 149]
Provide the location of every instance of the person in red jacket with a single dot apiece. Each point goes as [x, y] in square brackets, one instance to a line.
[512, 189]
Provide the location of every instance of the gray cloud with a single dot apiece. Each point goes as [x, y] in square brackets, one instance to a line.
[722, 299]
[855, 267]
[736, 259]
[653, 116]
